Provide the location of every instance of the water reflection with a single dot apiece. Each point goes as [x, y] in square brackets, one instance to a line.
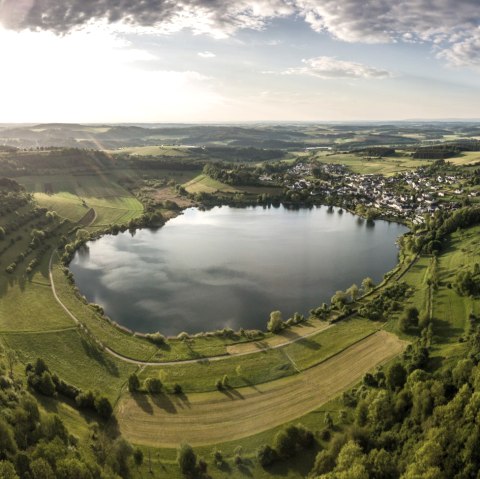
[231, 267]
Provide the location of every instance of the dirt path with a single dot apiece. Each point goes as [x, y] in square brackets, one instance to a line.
[210, 418]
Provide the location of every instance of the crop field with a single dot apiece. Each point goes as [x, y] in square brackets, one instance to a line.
[212, 418]
[203, 183]
[156, 150]
[72, 196]
[387, 166]
[467, 158]
[264, 365]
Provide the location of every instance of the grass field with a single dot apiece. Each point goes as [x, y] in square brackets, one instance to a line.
[205, 184]
[466, 158]
[73, 357]
[157, 150]
[207, 418]
[71, 196]
[387, 166]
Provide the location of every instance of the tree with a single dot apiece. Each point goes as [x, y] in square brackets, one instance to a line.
[103, 407]
[41, 469]
[284, 443]
[353, 292]
[11, 357]
[396, 376]
[367, 284]
[138, 457]
[46, 385]
[72, 468]
[328, 420]
[133, 383]
[7, 471]
[266, 455]
[275, 323]
[82, 235]
[339, 299]
[186, 460]
[40, 366]
[37, 237]
[153, 385]
[7, 443]
[409, 319]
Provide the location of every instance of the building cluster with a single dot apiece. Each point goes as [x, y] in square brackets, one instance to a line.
[410, 194]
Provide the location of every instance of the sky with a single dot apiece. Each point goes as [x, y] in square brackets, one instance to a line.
[104, 61]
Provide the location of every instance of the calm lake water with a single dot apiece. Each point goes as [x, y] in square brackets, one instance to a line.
[231, 266]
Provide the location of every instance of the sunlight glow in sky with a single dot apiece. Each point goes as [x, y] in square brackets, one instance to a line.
[214, 61]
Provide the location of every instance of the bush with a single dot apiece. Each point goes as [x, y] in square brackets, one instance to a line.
[177, 389]
[156, 338]
[103, 407]
[217, 457]
[186, 460]
[275, 323]
[266, 455]
[153, 385]
[133, 383]
[46, 385]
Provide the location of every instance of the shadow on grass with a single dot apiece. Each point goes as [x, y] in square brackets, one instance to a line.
[143, 403]
[232, 394]
[244, 469]
[308, 343]
[250, 384]
[224, 467]
[444, 332]
[182, 400]
[96, 354]
[164, 402]
[302, 463]
[289, 334]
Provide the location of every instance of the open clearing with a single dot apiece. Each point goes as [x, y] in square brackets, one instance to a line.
[466, 158]
[387, 166]
[209, 418]
[205, 184]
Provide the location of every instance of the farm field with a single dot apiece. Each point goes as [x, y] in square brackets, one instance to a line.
[72, 196]
[387, 166]
[205, 184]
[218, 417]
[466, 159]
[157, 150]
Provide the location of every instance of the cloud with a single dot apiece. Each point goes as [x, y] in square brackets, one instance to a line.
[450, 25]
[216, 17]
[330, 67]
[206, 54]
[463, 53]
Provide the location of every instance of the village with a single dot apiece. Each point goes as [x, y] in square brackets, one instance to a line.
[408, 195]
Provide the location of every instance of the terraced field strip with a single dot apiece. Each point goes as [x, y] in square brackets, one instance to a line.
[298, 333]
[213, 418]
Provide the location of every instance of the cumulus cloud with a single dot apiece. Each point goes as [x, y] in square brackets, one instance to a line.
[463, 53]
[451, 25]
[330, 67]
[216, 17]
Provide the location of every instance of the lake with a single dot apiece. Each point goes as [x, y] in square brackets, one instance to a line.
[230, 267]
